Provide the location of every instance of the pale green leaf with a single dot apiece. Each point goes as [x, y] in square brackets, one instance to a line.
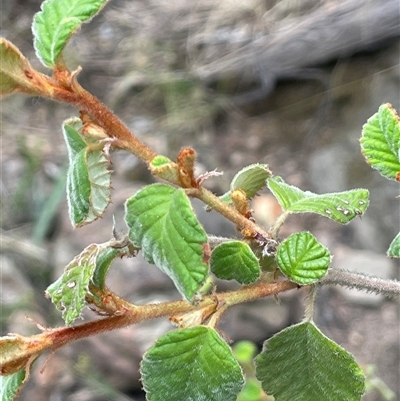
[244, 351]
[161, 221]
[234, 260]
[302, 258]
[341, 207]
[164, 168]
[88, 178]
[14, 70]
[56, 22]
[191, 364]
[380, 142]
[394, 248]
[11, 385]
[250, 179]
[103, 262]
[301, 364]
[69, 291]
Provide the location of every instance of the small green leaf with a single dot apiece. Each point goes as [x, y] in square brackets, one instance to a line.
[250, 179]
[11, 386]
[252, 391]
[244, 351]
[103, 262]
[380, 142]
[234, 260]
[88, 178]
[161, 221]
[164, 168]
[302, 258]
[57, 22]
[301, 364]
[394, 248]
[14, 70]
[191, 364]
[341, 207]
[69, 291]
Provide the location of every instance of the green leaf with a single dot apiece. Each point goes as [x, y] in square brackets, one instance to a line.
[11, 386]
[164, 168]
[380, 142]
[56, 22]
[234, 260]
[394, 248]
[250, 179]
[161, 221]
[69, 291]
[191, 364]
[103, 262]
[88, 178]
[301, 364]
[252, 391]
[244, 351]
[341, 207]
[302, 258]
[14, 70]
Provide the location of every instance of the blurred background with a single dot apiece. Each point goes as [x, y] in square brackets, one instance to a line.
[289, 83]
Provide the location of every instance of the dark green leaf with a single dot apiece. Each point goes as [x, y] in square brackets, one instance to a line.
[191, 364]
[339, 206]
[380, 142]
[161, 221]
[56, 22]
[301, 364]
[235, 260]
[302, 258]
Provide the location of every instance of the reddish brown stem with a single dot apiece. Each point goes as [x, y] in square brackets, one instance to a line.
[113, 126]
[56, 338]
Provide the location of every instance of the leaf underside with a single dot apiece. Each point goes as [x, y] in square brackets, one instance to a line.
[14, 70]
[234, 260]
[69, 291]
[88, 178]
[250, 179]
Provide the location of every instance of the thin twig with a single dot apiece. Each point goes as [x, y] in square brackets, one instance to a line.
[361, 281]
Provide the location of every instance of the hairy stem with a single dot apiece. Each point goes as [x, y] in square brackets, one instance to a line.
[360, 281]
